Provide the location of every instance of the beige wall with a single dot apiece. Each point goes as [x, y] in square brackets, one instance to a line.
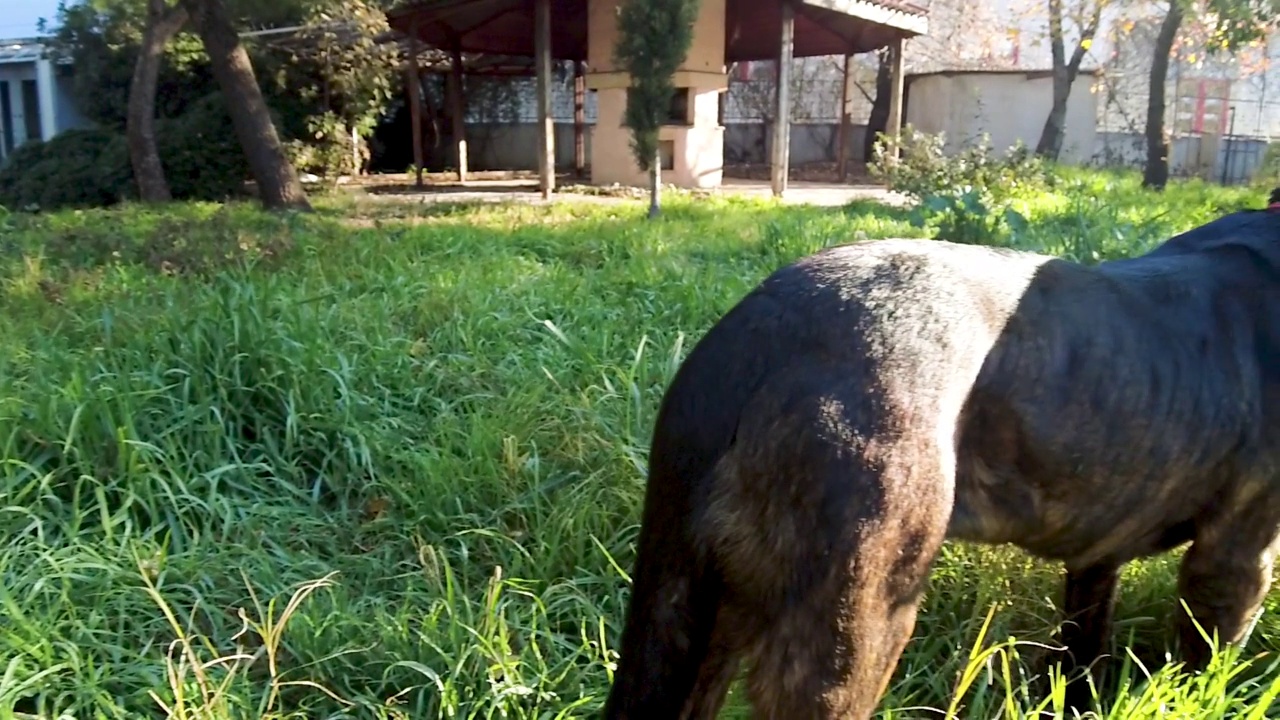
[1008, 106]
[698, 148]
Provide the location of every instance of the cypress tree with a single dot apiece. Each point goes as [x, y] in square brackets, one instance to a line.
[653, 40]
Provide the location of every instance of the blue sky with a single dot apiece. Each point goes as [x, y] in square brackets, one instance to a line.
[19, 17]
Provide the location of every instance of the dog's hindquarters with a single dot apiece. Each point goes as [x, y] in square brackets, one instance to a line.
[801, 484]
[825, 518]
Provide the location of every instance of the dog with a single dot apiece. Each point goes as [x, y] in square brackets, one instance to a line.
[869, 401]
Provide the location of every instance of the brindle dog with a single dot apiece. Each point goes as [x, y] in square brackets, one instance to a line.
[869, 401]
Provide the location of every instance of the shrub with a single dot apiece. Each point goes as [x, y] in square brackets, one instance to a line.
[964, 196]
[924, 169]
[91, 168]
[968, 218]
[57, 173]
[202, 156]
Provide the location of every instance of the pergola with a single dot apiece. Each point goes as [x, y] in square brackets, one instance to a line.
[548, 30]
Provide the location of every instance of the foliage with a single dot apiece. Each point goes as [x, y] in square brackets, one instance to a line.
[968, 218]
[61, 172]
[1268, 173]
[653, 39]
[201, 153]
[346, 78]
[85, 168]
[924, 169]
[318, 92]
[1234, 23]
[100, 38]
[386, 460]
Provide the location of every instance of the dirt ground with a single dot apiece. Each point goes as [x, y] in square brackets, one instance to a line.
[811, 185]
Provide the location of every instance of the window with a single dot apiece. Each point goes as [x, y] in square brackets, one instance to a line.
[678, 110]
[31, 109]
[6, 118]
[1202, 105]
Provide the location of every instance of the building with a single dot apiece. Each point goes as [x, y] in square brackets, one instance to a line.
[967, 104]
[35, 101]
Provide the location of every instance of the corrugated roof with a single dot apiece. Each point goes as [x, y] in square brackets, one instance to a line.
[20, 50]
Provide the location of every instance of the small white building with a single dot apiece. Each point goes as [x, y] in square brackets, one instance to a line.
[1007, 105]
[35, 102]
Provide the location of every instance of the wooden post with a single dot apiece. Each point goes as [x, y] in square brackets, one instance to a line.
[894, 126]
[842, 141]
[782, 120]
[579, 118]
[546, 127]
[415, 103]
[457, 109]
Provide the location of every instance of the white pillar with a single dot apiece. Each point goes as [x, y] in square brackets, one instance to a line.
[546, 122]
[46, 91]
[782, 121]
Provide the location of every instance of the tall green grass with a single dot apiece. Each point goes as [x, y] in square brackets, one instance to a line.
[386, 461]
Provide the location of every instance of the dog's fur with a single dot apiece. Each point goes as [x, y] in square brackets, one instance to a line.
[869, 401]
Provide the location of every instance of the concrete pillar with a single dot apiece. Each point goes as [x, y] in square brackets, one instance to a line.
[413, 80]
[46, 90]
[782, 109]
[579, 119]
[457, 108]
[546, 123]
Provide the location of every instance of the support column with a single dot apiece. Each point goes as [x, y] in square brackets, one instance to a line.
[415, 103]
[893, 127]
[782, 114]
[579, 119]
[45, 90]
[546, 127]
[457, 108]
[842, 143]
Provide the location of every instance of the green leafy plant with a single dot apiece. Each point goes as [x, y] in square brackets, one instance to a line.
[924, 167]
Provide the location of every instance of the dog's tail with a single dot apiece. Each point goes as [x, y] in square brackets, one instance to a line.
[675, 595]
[676, 587]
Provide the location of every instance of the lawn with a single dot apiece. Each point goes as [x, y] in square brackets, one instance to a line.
[386, 460]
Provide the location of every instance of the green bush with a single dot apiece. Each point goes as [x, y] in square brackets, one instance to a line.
[201, 153]
[58, 173]
[923, 168]
[91, 168]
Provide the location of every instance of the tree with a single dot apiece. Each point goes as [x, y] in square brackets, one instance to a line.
[278, 183]
[1066, 70]
[163, 22]
[1156, 172]
[878, 120]
[653, 40]
[354, 80]
[1229, 25]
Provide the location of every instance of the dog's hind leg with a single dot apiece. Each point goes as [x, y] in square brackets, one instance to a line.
[827, 516]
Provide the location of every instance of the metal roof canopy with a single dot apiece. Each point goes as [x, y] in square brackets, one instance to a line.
[752, 27]
[20, 50]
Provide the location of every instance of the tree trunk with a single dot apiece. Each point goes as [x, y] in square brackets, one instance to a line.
[655, 185]
[278, 184]
[163, 23]
[1064, 76]
[878, 121]
[1156, 173]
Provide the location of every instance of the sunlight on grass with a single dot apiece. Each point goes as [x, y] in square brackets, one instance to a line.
[386, 460]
